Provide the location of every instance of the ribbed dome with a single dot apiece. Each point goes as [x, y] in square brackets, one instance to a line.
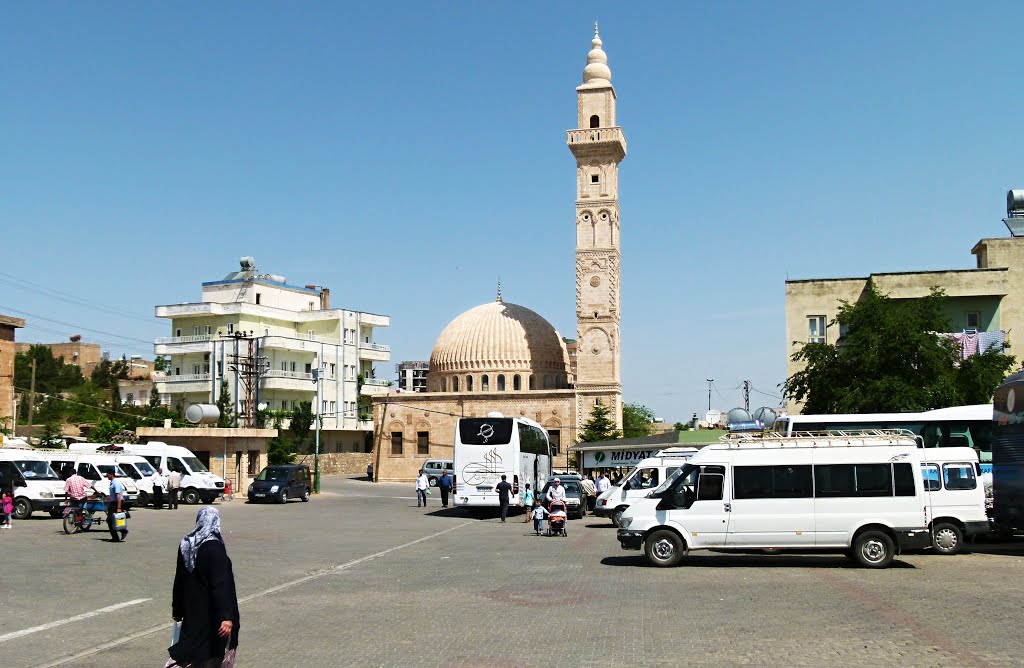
[498, 338]
[597, 72]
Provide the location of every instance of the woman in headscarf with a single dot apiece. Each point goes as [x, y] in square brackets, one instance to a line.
[204, 598]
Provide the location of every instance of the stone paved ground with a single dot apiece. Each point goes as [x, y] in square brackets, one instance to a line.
[360, 577]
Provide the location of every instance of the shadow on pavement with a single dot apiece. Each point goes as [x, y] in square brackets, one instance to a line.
[748, 561]
[1013, 548]
[603, 525]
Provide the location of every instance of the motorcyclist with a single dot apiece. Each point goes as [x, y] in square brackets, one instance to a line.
[77, 489]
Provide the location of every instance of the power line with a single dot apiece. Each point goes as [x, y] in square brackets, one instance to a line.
[29, 286]
[68, 324]
[81, 403]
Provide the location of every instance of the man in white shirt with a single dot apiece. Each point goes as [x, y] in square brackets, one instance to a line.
[556, 491]
[422, 483]
[159, 482]
[603, 484]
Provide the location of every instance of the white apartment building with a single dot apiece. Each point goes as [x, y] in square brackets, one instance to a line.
[266, 338]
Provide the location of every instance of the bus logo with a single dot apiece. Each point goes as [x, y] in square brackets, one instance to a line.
[486, 431]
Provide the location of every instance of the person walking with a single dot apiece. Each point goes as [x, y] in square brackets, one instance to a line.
[6, 509]
[203, 598]
[589, 494]
[115, 497]
[422, 483]
[444, 485]
[503, 489]
[173, 489]
[527, 502]
[556, 492]
[159, 481]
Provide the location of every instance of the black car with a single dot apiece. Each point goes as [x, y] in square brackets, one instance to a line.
[575, 499]
[280, 483]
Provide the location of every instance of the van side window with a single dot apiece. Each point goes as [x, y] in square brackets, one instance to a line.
[772, 482]
[174, 464]
[88, 472]
[930, 475]
[834, 480]
[154, 460]
[710, 486]
[959, 476]
[903, 479]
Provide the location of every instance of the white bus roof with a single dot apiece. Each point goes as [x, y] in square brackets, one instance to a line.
[972, 412]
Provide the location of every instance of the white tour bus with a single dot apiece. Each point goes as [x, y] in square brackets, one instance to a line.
[487, 448]
[861, 494]
[32, 483]
[647, 475]
[197, 483]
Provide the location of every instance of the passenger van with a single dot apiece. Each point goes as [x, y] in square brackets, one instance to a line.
[955, 497]
[197, 483]
[135, 466]
[93, 466]
[33, 485]
[861, 494]
[647, 475]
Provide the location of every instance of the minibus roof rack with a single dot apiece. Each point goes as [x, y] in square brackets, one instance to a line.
[832, 437]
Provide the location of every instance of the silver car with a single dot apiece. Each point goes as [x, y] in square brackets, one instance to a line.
[433, 468]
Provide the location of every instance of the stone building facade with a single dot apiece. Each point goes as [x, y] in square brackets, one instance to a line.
[7, 351]
[86, 356]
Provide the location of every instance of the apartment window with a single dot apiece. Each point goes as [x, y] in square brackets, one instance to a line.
[332, 371]
[254, 462]
[323, 409]
[469, 383]
[266, 331]
[257, 298]
[177, 332]
[816, 329]
[293, 404]
[220, 368]
[423, 443]
[231, 328]
[177, 371]
[311, 334]
[334, 408]
[555, 438]
[455, 383]
[312, 306]
[195, 330]
[293, 366]
[206, 367]
[207, 330]
[309, 368]
[594, 178]
[396, 443]
[973, 320]
[195, 369]
[284, 404]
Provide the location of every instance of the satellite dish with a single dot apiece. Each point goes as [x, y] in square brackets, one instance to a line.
[766, 416]
[713, 416]
[739, 415]
[262, 406]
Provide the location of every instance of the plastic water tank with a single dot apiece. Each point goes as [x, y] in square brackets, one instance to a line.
[202, 414]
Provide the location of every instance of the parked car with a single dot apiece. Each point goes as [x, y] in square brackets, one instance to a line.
[280, 483]
[433, 468]
[575, 499]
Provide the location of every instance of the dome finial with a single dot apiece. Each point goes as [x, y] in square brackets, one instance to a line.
[597, 72]
[595, 30]
[499, 290]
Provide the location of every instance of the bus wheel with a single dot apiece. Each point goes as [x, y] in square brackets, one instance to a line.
[947, 538]
[873, 549]
[664, 548]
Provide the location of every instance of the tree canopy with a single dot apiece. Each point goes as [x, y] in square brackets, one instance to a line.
[599, 427]
[889, 358]
[637, 420]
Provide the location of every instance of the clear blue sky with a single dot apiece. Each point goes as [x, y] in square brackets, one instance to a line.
[406, 154]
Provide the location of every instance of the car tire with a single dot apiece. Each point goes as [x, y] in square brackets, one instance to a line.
[190, 496]
[432, 481]
[283, 498]
[947, 538]
[617, 515]
[305, 496]
[143, 499]
[22, 508]
[664, 548]
[873, 549]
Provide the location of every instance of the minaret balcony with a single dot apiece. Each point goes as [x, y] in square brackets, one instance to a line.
[598, 142]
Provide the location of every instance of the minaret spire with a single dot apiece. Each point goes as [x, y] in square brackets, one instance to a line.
[499, 291]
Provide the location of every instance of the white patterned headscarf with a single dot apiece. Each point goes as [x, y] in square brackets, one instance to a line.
[207, 528]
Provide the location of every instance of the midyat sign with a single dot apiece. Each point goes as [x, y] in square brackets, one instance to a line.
[597, 459]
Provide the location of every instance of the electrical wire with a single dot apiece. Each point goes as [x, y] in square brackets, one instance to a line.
[82, 403]
[68, 324]
[37, 288]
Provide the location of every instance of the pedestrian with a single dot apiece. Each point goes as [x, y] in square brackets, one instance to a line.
[556, 492]
[173, 489]
[589, 494]
[7, 508]
[203, 598]
[444, 485]
[422, 483]
[527, 502]
[503, 489]
[602, 483]
[115, 496]
[159, 481]
[537, 513]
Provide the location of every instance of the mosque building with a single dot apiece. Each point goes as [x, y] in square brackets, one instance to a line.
[507, 358]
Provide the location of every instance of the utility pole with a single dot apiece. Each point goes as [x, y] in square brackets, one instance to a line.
[248, 368]
[710, 380]
[746, 395]
[31, 401]
[317, 375]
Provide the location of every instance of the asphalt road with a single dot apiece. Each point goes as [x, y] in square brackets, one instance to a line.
[361, 577]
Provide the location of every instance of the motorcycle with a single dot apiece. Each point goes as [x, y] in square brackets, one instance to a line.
[81, 517]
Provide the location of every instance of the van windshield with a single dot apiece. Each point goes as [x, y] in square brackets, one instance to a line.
[144, 468]
[106, 468]
[194, 464]
[274, 474]
[36, 470]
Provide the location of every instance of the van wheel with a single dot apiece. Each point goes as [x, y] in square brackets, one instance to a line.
[190, 496]
[143, 499]
[664, 548]
[873, 549]
[947, 538]
[22, 508]
[305, 495]
[283, 498]
[617, 515]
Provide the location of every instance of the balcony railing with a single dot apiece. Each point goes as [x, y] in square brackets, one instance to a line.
[199, 338]
[297, 375]
[379, 382]
[375, 346]
[186, 378]
[597, 136]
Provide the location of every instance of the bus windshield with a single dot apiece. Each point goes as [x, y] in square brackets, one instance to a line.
[485, 431]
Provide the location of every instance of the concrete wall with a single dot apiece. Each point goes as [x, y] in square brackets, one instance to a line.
[342, 463]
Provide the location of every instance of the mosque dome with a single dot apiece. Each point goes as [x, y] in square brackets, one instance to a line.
[597, 72]
[498, 347]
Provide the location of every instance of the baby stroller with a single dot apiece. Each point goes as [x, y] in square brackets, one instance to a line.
[557, 518]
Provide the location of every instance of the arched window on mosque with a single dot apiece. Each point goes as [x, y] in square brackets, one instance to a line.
[533, 385]
[444, 385]
[455, 383]
[595, 121]
[469, 383]
[485, 383]
[517, 383]
[547, 382]
[501, 382]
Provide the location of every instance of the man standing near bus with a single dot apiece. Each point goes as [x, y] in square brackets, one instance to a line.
[503, 489]
[158, 489]
[173, 489]
[444, 485]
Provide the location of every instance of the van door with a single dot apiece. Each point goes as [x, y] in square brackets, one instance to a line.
[772, 505]
[954, 490]
[700, 504]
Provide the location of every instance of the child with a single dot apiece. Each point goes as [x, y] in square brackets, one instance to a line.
[528, 502]
[537, 513]
[6, 507]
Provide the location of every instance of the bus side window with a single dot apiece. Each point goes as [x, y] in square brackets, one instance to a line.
[933, 436]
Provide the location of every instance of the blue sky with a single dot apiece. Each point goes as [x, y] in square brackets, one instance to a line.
[407, 154]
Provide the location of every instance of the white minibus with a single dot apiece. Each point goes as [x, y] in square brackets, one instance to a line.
[93, 466]
[861, 494]
[135, 467]
[648, 475]
[197, 483]
[487, 448]
[955, 497]
[32, 483]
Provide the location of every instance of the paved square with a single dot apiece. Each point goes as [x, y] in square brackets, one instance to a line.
[361, 577]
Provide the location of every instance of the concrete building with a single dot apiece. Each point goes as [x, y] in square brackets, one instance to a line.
[412, 376]
[265, 338]
[986, 298]
[505, 357]
[7, 352]
[83, 355]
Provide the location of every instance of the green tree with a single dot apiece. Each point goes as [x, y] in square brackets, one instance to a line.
[279, 452]
[53, 376]
[107, 431]
[600, 426]
[889, 359]
[226, 407]
[682, 426]
[162, 364]
[302, 420]
[52, 435]
[154, 399]
[107, 373]
[637, 420]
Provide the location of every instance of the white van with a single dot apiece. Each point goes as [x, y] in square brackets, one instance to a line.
[135, 467]
[93, 466]
[861, 494]
[35, 486]
[197, 483]
[955, 496]
[647, 475]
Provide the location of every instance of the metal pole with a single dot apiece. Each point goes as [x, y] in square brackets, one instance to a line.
[710, 380]
[316, 455]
